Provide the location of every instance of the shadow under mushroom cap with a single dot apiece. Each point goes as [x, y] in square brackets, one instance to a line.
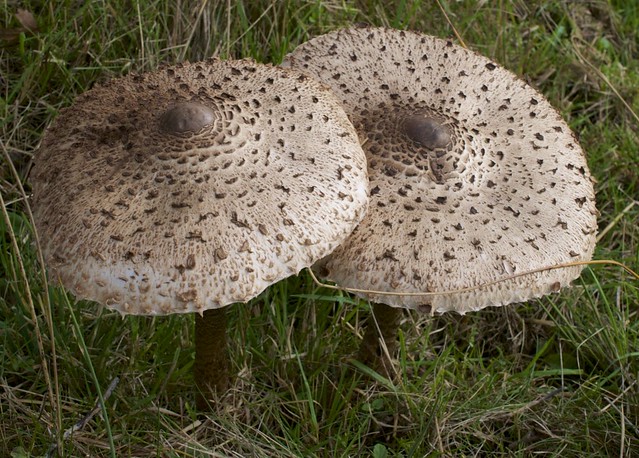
[474, 176]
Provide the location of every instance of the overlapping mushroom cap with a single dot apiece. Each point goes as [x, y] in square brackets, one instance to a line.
[474, 176]
[196, 186]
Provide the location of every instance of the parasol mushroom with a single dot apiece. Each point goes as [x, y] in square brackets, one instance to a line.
[194, 187]
[474, 176]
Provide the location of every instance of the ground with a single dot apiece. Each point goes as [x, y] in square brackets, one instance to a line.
[556, 376]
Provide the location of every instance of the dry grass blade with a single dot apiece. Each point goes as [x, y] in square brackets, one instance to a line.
[616, 220]
[603, 77]
[482, 285]
[197, 23]
[86, 418]
[52, 385]
[450, 23]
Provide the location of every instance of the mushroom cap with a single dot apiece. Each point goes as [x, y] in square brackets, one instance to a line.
[195, 186]
[474, 176]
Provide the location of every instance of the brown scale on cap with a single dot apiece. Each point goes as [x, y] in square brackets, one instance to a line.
[196, 186]
[426, 131]
[473, 174]
[187, 117]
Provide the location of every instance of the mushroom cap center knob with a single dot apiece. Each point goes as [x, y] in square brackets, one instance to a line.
[427, 131]
[187, 117]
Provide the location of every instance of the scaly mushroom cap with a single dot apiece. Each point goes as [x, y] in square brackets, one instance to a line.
[195, 186]
[474, 176]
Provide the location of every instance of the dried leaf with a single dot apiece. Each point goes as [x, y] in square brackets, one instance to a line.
[28, 23]
[10, 35]
[27, 20]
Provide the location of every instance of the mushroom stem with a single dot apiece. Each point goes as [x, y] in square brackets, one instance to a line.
[211, 368]
[380, 337]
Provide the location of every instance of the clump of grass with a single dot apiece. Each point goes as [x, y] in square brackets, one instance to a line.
[554, 376]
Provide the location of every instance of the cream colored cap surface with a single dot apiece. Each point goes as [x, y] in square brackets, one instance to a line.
[474, 176]
[195, 186]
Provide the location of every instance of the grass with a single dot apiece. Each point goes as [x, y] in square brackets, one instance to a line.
[553, 377]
